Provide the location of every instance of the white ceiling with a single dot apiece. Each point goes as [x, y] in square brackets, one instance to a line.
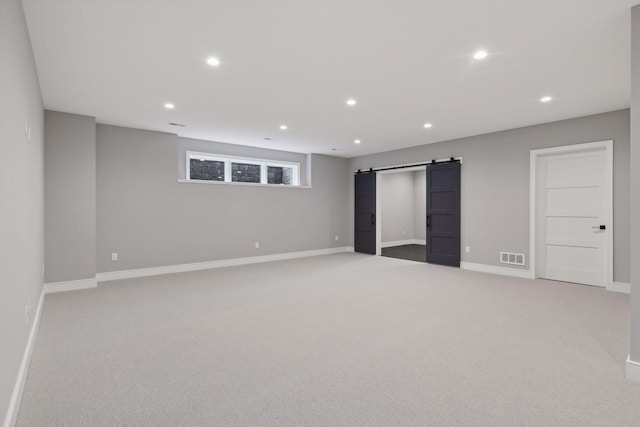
[296, 62]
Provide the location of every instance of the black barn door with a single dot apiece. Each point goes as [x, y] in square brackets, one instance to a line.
[365, 213]
[443, 213]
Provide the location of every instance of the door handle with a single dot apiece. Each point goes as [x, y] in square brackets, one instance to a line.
[600, 227]
[373, 219]
[428, 221]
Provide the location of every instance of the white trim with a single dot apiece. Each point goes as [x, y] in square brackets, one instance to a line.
[403, 242]
[633, 370]
[180, 268]
[494, 269]
[533, 189]
[533, 208]
[623, 288]
[610, 222]
[72, 285]
[242, 184]
[18, 389]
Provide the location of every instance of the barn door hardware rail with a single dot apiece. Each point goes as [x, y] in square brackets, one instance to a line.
[414, 165]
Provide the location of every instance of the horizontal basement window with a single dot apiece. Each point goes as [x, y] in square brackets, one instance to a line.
[214, 167]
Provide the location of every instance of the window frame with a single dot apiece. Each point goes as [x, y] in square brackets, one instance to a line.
[243, 162]
[263, 163]
[201, 156]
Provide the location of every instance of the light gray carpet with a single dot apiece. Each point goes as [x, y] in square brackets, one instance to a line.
[339, 340]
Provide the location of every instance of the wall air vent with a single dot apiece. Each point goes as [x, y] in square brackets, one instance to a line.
[511, 258]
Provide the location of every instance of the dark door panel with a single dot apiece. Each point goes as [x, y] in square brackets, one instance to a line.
[443, 213]
[365, 213]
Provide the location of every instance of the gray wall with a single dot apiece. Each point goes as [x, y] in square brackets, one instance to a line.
[420, 205]
[635, 183]
[397, 206]
[495, 182]
[152, 220]
[70, 197]
[403, 205]
[21, 193]
[221, 148]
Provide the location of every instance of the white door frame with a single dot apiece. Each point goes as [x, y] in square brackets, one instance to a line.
[533, 195]
[379, 201]
[405, 168]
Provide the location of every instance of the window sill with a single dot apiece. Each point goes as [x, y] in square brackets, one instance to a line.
[241, 184]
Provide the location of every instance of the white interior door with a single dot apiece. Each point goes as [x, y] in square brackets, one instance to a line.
[573, 205]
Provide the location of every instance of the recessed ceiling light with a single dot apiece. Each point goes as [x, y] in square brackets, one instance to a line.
[481, 54]
[427, 125]
[284, 127]
[546, 99]
[214, 62]
[357, 141]
[351, 102]
[169, 106]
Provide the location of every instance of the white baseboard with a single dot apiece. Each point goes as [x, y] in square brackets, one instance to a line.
[18, 389]
[396, 243]
[403, 242]
[624, 288]
[181, 268]
[633, 370]
[72, 285]
[494, 269]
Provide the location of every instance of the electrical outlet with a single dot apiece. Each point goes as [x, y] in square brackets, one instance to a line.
[114, 256]
[467, 249]
[26, 313]
[26, 129]
[257, 245]
[337, 238]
